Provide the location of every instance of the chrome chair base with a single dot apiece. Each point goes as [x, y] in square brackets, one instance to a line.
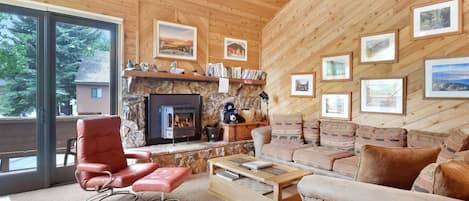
[106, 193]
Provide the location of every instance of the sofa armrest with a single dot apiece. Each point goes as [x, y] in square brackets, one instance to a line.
[317, 187]
[261, 136]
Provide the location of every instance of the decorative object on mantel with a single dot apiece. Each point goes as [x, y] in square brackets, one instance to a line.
[130, 65]
[175, 41]
[265, 97]
[219, 70]
[174, 69]
[231, 115]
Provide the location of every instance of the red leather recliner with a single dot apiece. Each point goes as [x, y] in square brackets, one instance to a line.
[101, 161]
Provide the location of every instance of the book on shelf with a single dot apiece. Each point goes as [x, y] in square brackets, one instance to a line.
[228, 175]
[256, 165]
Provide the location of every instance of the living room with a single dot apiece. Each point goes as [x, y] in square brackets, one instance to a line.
[234, 100]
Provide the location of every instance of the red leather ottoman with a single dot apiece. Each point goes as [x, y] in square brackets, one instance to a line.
[162, 180]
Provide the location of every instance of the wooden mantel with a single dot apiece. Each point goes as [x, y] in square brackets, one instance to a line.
[185, 77]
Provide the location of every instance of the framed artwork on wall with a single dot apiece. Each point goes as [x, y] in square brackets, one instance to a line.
[236, 49]
[336, 67]
[336, 106]
[302, 84]
[383, 95]
[174, 41]
[379, 47]
[447, 78]
[436, 19]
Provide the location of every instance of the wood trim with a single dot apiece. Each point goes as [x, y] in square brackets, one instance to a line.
[350, 66]
[185, 77]
[404, 95]
[396, 48]
[314, 85]
[349, 104]
[460, 16]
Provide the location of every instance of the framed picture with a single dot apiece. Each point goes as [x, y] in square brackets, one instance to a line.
[436, 19]
[336, 106]
[174, 41]
[337, 67]
[447, 78]
[236, 49]
[379, 47]
[385, 95]
[302, 84]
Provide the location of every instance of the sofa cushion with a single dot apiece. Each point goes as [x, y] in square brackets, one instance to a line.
[311, 132]
[287, 129]
[457, 141]
[424, 182]
[320, 157]
[282, 152]
[452, 180]
[422, 139]
[337, 134]
[385, 137]
[346, 166]
[394, 167]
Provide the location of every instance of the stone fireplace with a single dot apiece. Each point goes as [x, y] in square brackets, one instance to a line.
[134, 97]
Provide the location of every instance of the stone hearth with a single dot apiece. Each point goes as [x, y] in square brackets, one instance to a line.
[134, 106]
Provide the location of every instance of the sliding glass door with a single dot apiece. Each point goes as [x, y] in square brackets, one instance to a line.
[21, 95]
[84, 62]
[54, 69]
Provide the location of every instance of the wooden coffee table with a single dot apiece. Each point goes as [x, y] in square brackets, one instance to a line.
[281, 179]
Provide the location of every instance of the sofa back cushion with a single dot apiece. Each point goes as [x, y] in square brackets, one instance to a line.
[311, 131]
[394, 167]
[337, 134]
[422, 139]
[457, 141]
[287, 129]
[385, 137]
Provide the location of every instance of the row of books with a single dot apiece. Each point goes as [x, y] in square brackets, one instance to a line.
[219, 70]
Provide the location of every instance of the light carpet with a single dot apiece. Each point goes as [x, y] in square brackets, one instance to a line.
[194, 189]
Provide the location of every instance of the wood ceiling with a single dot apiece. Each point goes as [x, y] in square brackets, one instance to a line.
[262, 10]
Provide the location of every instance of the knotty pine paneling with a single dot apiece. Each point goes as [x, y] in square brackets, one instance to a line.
[303, 30]
[243, 19]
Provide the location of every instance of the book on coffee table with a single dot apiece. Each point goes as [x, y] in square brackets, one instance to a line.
[228, 175]
[256, 165]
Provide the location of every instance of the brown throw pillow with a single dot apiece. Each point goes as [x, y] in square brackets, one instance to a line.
[452, 180]
[394, 167]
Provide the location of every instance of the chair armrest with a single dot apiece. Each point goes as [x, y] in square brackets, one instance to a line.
[93, 167]
[261, 136]
[140, 155]
[328, 188]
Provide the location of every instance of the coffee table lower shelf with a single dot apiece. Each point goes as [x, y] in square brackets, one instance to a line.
[234, 191]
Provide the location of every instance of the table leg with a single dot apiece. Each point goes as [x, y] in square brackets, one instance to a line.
[277, 193]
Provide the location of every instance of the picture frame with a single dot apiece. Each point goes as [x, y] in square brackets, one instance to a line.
[436, 19]
[447, 78]
[336, 106]
[382, 47]
[336, 67]
[303, 84]
[235, 49]
[175, 41]
[383, 95]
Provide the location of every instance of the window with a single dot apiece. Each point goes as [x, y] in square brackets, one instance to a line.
[96, 92]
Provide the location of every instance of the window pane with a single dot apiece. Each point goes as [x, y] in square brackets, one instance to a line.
[18, 78]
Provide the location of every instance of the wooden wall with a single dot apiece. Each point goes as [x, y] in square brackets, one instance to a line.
[243, 19]
[305, 29]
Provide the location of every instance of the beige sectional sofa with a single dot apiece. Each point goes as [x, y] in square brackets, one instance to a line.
[332, 147]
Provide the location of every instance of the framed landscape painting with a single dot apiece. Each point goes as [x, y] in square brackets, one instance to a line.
[336, 67]
[379, 47]
[236, 49]
[447, 78]
[385, 95]
[336, 106]
[436, 19]
[174, 41]
[302, 84]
